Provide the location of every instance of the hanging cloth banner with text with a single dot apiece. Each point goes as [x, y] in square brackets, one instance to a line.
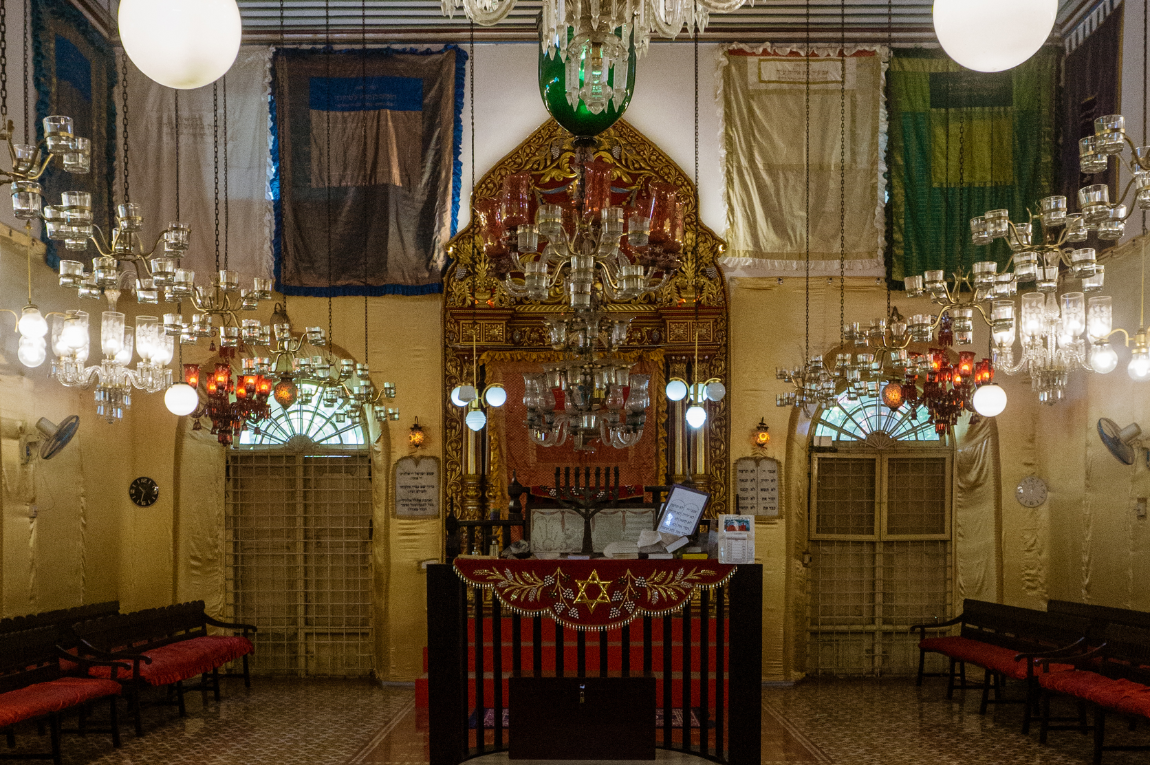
[367, 185]
[763, 96]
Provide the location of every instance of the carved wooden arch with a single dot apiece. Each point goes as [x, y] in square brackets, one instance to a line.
[499, 325]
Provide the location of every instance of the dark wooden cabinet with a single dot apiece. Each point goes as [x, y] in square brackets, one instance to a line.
[582, 718]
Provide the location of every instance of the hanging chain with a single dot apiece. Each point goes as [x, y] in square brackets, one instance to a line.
[363, 88]
[216, 163]
[4, 62]
[842, 170]
[698, 197]
[946, 243]
[124, 121]
[807, 190]
[177, 154]
[227, 185]
[961, 243]
[327, 160]
[1145, 78]
[889, 71]
[28, 137]
[283, 33]
[471, 107]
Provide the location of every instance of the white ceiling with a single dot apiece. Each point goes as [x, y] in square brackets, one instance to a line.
[422, 20]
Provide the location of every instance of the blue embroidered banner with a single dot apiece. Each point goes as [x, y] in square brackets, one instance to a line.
[366, 188]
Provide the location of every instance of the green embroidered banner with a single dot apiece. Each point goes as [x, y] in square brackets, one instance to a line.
[962, 143]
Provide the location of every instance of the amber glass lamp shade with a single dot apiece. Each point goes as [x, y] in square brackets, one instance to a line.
[761, 436]
[893, 395]
[416, 436]
[285, 392]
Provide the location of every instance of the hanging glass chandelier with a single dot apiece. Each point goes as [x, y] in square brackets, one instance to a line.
[1110, 140]
[593, 38]
[114, 377]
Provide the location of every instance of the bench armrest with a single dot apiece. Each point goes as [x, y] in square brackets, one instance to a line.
[1053, 653]
[226, 625]
[116, 655]
[922, 628]
[1075, 659]
[84, 661]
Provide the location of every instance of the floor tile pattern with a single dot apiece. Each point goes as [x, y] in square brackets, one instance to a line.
[855, 722]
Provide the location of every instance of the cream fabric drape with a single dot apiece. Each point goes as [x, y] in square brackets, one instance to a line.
[762, 94]
[246, 225]
[199, 522]
[978, 512]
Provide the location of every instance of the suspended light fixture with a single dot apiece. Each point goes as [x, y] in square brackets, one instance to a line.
[993, 35]
[181, 44]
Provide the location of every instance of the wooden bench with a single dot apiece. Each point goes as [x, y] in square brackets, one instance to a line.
[63, 618]
[32, 687]
[1100, 616]
[1114, 677]
[166, 646]
[1004, 641]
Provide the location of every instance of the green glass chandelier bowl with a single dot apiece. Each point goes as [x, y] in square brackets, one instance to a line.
[579, 121]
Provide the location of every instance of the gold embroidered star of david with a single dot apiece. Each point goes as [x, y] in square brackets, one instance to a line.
[592, 580]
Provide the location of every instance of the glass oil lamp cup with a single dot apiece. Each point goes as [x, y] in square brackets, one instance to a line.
[23, 155]
[106, 271]
[1113, 227]
[963, 325]
[71, 273]
[229, 337]
[316, 337]
[638, 230]
[177, 237]
[78, 158]
[249, 300]
[1047, 278]
[527, 238]
[549, 221]
[129, 218]
[111, 333]
[914, 286]
[1095, 281]
[1090, 159]
[228, 281]
[201, 325]
[26, 199]
[997, 223]
[183, 283]
[1020, 236]
[1082, 262]
[89, 289]
[935, 283]
[1053, 210]
[282, 332]
[173, 324]
[978, 232]
[53, 218]
[76, 206]
[1110, 132]
[76, 237]
[1094, 202]
[265, 335]
[1005, 285]
[920, 327]
[250, 330]
[1002, 323]
[146, 292]
[346, 369]
[262, 288]
[1076, 229]
[1142, 182]
[163, 271]
[985, 272]
[58, 133]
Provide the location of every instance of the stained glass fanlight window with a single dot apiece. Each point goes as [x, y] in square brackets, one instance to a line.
[854, 420]
[307, 422]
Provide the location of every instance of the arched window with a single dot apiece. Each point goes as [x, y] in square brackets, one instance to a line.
[856, 420]
[306, 423]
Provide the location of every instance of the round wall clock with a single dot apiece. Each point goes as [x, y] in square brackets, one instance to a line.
[144, 492]
[1031, 491]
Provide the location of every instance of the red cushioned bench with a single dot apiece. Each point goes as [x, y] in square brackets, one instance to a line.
[32, 687]
[1114, 678]
[165, 646]
[1004, 641]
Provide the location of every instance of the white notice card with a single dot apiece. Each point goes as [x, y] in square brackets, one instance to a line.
[736, 539]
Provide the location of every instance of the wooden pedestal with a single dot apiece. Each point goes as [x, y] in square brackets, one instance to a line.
[582, 718]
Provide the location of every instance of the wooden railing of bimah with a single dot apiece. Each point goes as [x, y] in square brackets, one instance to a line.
[715, 642]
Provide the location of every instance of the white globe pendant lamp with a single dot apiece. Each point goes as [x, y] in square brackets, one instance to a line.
[181, 44]
[993, 35]
[181, 399]
[989, 400]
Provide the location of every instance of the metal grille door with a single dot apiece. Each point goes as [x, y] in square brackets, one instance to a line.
[881, 560]
[298, 560]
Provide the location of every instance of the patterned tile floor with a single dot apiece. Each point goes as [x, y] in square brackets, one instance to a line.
[320, 722]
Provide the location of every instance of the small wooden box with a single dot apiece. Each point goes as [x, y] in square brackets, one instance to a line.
[582, 718]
